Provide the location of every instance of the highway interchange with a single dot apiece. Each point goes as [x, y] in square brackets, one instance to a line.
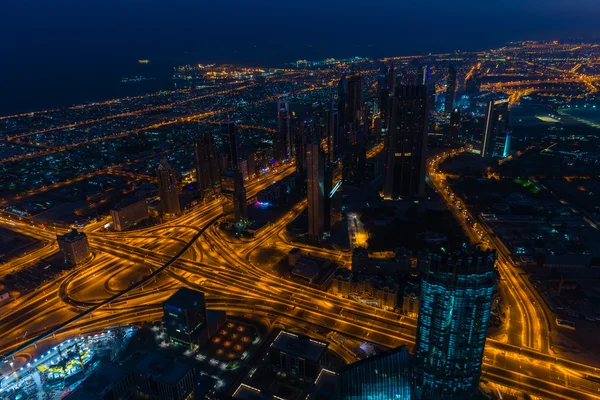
[131, 273]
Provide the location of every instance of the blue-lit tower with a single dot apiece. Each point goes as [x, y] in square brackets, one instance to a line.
[384, 376]
[455, 305]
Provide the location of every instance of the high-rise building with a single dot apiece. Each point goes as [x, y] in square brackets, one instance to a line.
[283, 141]
[454, 128]
[128, 213]
[184, 316]
[450, 90]
[342, 113]
[230, 144]
[407, 143]
[333, 196]
[473, 84]
[74, 247]
[333, 136]
[355, 102]
[386, 375]
[232, 183]
[208, 168]
[495, 129]
[167, 189]
[316, 188]
[455, 305]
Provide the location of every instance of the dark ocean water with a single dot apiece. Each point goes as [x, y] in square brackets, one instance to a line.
[63, 52]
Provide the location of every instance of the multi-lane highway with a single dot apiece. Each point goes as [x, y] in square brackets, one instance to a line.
[125, 270]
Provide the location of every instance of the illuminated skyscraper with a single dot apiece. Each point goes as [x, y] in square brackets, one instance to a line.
[407, 143]
[283, 141]
[167, 189]
[455, 305]
[384, 376]
[496, 129]
[316, 188]
[208, 169]
[450, 90]
[230, 144]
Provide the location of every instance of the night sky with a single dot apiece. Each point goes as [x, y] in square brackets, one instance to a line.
[44, 42]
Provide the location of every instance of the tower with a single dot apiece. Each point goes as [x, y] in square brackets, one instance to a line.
[230, 145]
[407, 143]
[167, 189]
[316, 189]
[455, 305]
[496, 129]
[208, 169]
[283, 140]
[450, 90]
[355, 103]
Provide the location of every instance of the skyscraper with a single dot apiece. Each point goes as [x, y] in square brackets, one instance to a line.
[450, 90]
[454, 129]
[232, 182]
[283, 141]
[333, 137]
[355, 102]
[184, 316]
[316, 189]
[386, 375]
[342, 113]
[332, 196]
[230, 145]
[496, 129]
[208, 169]
[455, 305]
[407, 143]
[167, 189]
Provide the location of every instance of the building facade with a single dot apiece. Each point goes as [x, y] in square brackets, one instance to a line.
[168, 190]
[208, 167]
[407, 143]
[455, 305]
[184, 316]
[316, 191]
[74, 247]
[495, 131]
[128, 213]
[230, 144]
[384, 376]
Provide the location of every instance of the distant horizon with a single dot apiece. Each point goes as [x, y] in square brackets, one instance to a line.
[67, 51]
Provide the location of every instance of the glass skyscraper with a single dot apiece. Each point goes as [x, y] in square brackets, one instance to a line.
[456, 300]
[385, 376]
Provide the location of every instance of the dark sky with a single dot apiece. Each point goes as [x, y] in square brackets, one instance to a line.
[44, 39]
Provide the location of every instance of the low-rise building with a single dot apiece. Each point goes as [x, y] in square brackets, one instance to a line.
[110, 382]
[157, 377]
[129, 212]
[298, 355]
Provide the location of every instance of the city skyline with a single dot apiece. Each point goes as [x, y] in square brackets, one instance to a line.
[325, 229]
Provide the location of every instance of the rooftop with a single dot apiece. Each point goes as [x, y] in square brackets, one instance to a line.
[299, 346]
[126, 203]
[162, 369]
[185, 298]
[72, 236]
[97, 384]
